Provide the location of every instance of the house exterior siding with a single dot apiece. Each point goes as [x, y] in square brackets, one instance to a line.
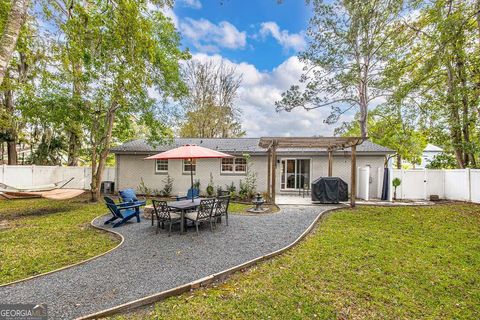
[132, 168]
[341, 168]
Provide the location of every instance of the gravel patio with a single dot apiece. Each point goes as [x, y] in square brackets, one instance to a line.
[148, 263]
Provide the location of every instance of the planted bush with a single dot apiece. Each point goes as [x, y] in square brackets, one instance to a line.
[396, 183]
[168, 186]
[210, 188]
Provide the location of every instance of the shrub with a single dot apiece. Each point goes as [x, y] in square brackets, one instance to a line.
[210, 187]
[143, 189]
[231, 187]
[396, 183]
[232, 190]
[249, 187]
[168, 187]
[243, 190]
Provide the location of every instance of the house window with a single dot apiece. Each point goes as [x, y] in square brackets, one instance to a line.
[240, 165]
[234, 165]
[161, 166]
[186, 166]
[227, 164]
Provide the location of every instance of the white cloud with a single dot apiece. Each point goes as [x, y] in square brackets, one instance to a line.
[168, 12]
[209, 37]
[295, 41]
[257, 95]
[194, 4]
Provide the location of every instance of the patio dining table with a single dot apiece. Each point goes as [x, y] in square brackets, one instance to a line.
[183, 206]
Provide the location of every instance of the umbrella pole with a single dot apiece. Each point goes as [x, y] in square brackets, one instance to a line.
[191, 175]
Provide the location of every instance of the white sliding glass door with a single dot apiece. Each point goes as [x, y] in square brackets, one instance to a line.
[295, 174]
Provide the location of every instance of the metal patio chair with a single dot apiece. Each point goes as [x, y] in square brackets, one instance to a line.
[221, 208]
[204, 213]
[165, 215]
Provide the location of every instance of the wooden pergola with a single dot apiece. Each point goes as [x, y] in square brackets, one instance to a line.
[330, 144]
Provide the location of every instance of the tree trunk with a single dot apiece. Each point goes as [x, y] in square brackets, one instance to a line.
[477, 16]
[11, 131]
[16, 19]
[451, 100]
[399, 161]
[73, 126]
[454, 117]
[73, 149]
[466, 123]
[12, 152]
[101, 154]
[93, 182]
[476, 67]
[363, 120]
[363, 99]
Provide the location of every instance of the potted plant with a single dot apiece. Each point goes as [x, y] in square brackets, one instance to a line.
[396, 183]
[210, 188]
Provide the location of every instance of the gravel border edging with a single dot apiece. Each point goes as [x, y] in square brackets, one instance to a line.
[122, 239]
[219, 276]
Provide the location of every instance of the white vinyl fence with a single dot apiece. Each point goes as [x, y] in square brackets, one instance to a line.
[29, 176]
[452, 184]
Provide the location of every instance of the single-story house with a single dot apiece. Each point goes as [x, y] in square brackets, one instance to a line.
[295, 168]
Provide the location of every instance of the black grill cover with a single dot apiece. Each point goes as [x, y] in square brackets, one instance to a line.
[329, 190]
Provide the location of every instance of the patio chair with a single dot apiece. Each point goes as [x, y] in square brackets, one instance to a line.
[164, 214]
[129, 196]
[203, 213]
[123, 211]
[194, 191]
[221, 208]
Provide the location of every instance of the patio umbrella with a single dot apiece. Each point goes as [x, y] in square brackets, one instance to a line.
[189, 152]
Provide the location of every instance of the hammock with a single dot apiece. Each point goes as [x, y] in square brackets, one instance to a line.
[46, 187]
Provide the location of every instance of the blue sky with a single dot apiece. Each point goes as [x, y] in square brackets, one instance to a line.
[261, 39]
[260, 49]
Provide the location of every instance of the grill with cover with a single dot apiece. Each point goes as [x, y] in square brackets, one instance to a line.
[329, 190]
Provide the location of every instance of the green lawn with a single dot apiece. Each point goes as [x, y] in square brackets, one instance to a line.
[40, 235]
[367, 263]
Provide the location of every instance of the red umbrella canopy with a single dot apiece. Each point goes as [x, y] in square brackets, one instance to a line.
[189, 152]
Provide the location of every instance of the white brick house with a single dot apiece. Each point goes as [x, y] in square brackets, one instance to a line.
[295, 167]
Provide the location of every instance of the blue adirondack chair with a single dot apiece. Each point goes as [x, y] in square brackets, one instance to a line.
[123, 211]
[195, 192]
[129, 196]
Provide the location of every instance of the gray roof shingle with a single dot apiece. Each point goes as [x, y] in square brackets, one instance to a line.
[229, 145]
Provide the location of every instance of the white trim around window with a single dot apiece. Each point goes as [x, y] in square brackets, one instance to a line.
[161, 166]
[237, 165]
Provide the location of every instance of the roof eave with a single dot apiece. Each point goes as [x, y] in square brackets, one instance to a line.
[309, 152]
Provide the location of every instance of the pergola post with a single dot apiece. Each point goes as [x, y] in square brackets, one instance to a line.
[269, 168]
[274, 166]
[329, 143]
[330, 163]
[353, 179]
